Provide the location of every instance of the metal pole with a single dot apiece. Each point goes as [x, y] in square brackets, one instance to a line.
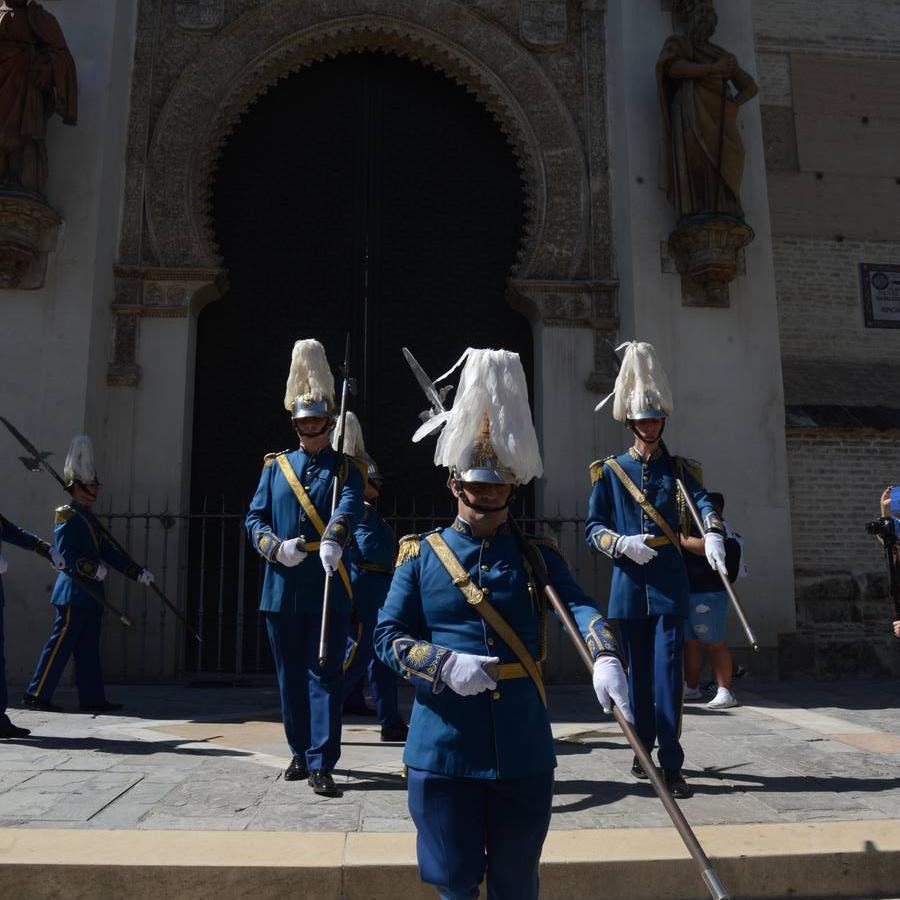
[707, 873]
[239, 614]
[326, 599]
[201, 595]
[221, 608]
[751, 637]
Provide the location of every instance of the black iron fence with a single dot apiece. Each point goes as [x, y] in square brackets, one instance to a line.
[207, 567]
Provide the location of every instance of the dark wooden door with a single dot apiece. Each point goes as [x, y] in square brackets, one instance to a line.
[367, 194]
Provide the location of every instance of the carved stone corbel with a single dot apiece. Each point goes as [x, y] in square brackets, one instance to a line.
[146, 292]
[574, 304]
[28, 231]
[707, 254]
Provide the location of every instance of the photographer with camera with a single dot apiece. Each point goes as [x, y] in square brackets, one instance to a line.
[887, 530]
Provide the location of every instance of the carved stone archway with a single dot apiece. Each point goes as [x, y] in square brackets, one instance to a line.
[283, 36]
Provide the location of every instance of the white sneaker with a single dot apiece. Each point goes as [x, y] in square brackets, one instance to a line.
[724, 699]
[691, 693]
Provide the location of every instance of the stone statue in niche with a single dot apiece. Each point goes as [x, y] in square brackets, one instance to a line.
[701, 87]
[37, 79]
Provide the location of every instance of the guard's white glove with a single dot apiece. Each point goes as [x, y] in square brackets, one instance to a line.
[145, 578]
[330, 553]
[57, 559]
[634, 546]
[101, 572]
[4, 565]
[291, 552]
[611, 686]
[464, 673]
[714, 544]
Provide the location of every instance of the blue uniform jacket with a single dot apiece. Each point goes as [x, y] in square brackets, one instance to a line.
[372, 558]
[661, 586]
[81, 542]
[18, 537]
[275, 515]
[494, 734]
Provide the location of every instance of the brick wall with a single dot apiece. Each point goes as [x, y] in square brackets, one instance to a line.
[819, 304]
[850, 26]
[843, 612]
[836, 479]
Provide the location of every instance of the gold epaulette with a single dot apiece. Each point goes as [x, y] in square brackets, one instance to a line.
[548, 542]
[694, 467]
[409, 547]
[269, 458]
[362, 466]
[63, 514]
[596, 468]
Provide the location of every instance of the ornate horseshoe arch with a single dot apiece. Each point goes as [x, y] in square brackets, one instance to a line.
[283, 36]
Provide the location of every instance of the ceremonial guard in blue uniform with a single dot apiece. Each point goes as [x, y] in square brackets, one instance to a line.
[86, 552]
[465, 624]
[18, 537]
[636, 518]
[289, 516]
[371, 566]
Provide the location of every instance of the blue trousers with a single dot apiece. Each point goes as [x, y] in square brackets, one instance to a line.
[653, 652]
[76, 633]
[467, 826]
[310, 696]
[382, 680]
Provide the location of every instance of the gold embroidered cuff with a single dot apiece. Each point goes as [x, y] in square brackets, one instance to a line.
[420, 660]
[605, 541]
[600, 639]
[267, 544]
[712, 522]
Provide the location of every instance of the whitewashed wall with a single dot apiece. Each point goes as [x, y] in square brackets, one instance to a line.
[724, 364]
[54, 342]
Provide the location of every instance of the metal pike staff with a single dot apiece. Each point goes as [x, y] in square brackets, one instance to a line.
[342, 421]
[80, 580]
[707, 872]
[37, 460]
[695, 515]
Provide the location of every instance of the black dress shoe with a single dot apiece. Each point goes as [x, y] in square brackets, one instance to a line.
[676, 784]
[8, 730]
[323, 784]
[29, 701]
[297, 770]
[357, 710]
[638, 770]
[103, 707]
[394, 734]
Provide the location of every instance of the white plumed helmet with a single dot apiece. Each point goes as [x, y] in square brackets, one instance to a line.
[80, 465]
[310, 384]
[354, 445]
[488, 435]
[642, 388]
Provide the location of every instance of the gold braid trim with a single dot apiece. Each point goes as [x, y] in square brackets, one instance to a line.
[409, 548]
[596, 469]
[269, 458]
[362, 466]
[63, 514]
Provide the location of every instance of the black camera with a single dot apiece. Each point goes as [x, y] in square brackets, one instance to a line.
[883, 528]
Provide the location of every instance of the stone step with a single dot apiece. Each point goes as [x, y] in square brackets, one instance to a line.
[859, 859]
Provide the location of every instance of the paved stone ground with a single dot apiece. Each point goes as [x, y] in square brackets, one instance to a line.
[210, 758]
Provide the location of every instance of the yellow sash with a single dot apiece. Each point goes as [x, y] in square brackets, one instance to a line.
[475, 597]
[644, 503]
[311, 512]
